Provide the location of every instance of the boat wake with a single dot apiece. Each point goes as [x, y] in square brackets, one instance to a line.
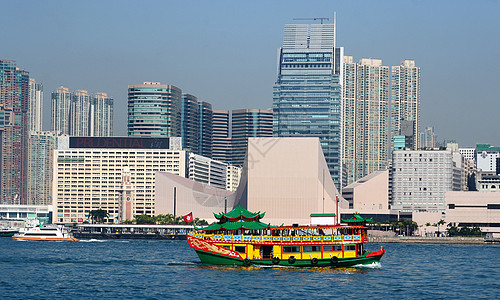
[92, 241]
[373, 265]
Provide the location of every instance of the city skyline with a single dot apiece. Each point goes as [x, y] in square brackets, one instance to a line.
[227, 56]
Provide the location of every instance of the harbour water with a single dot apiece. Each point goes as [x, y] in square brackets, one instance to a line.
[142, 269]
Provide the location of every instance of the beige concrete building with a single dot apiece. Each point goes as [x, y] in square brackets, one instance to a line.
[369, 194]
[180, 196]
[474, 209]
[287, 178]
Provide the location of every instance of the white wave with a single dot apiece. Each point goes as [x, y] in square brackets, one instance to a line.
[373, 265]
[92, 241]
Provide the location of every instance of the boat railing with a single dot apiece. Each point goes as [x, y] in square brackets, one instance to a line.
[284, 239]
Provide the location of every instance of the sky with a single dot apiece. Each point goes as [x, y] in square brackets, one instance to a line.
[225, 52]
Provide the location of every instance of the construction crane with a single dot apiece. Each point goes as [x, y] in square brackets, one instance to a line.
[314, 19]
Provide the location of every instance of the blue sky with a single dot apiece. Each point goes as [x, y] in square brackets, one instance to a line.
[225, 52]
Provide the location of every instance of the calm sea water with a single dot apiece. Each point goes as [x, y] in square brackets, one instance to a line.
[168, 269]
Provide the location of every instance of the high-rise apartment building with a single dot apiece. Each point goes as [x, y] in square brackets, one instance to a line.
[405, 102]
[40, 155]
[307, 96]
[365, 117]
[14, 104]
[221, 146]
[428, 138]
[79, 114]
[35, 111]
[61, 103]
[101, 115]
[248, 123]
[154, 109]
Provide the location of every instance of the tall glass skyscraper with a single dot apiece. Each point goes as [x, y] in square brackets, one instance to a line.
[154, 109]
[307, 96]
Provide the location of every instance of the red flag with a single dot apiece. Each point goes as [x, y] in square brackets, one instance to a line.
[188, 218]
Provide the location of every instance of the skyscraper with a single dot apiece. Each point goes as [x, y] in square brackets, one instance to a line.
[247, 123]
[366, 117]
[35, 105]
[205, 129]
[154, 109]
[41, 144]
[405, 102]
[190, 118]
[307, 97]
[101, 115]
[61, 103]
[79, 114]
[196, 125]
[221, 148]
[14, 103]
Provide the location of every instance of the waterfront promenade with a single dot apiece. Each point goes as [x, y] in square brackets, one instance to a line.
[433, 240]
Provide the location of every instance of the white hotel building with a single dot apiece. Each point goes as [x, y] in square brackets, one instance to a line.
[106, 172]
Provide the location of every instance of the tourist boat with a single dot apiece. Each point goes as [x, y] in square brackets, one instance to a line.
[8, 232]
[44, 233]
[239, 238]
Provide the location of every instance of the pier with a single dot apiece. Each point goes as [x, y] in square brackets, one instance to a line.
[131, 231]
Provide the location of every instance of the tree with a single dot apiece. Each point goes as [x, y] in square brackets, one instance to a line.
[98, 215]
[439, 223]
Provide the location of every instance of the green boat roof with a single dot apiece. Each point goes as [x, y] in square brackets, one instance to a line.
[235, 226]
[323, 215]
[356, 218]
[239, 213]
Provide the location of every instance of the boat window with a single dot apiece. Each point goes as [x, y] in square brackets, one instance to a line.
[331, 248]
[350, 247]
[240, 249]
[290, 249]
[313, 248]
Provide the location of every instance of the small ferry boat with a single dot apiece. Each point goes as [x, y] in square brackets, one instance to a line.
[239, 238]
[8, 232]
[44, 233]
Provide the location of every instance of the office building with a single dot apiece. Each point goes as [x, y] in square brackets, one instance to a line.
[60, 109]
[365, 116]
[221, 139]
[307, 95]
[196, 125]
[14, 104]
[190, 118]
[101, 115]
[468, 153]
[420, 179]
[154, 109]
[206, 170]
[205, 127]
[405, 102]
[35, 108]
[246, 123]
[487, 158]
[41, 146]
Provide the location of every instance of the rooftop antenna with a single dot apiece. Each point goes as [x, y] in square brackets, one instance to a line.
[313, 19]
